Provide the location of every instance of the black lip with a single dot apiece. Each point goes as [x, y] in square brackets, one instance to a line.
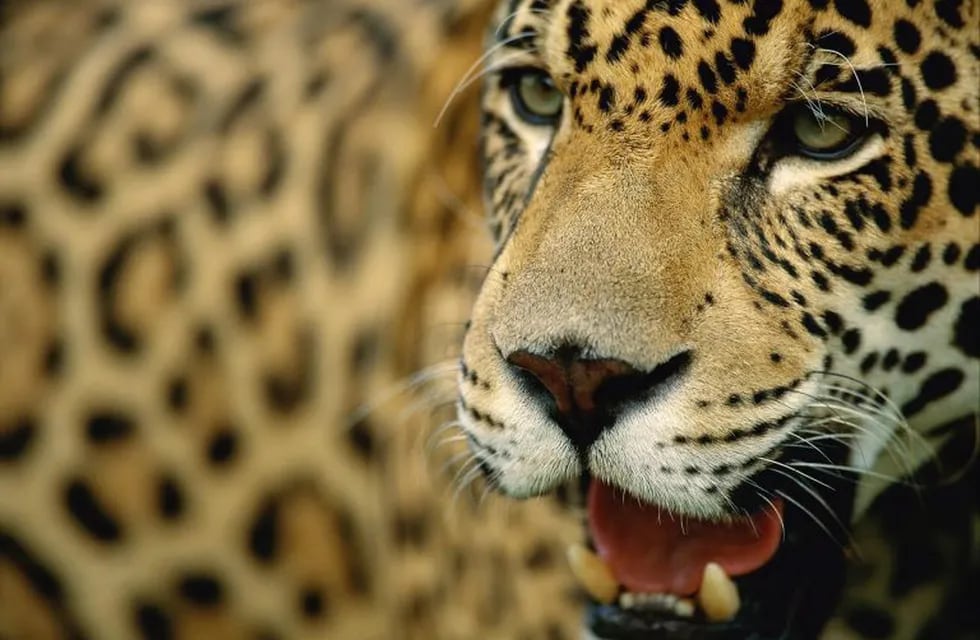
[789, 598]
[612, 623]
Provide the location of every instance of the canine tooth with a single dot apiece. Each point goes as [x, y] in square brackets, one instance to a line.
[593, 574]
[718, 594]
[684, 607]
[627, 600]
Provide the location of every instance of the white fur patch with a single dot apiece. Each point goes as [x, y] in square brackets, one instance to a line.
[794, 172]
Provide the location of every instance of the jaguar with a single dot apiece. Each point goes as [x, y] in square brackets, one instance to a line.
[734, 296]
[240, 241]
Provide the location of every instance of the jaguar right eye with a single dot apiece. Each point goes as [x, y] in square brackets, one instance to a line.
[534, 96]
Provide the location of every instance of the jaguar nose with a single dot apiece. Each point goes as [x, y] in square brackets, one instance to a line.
[583, 395]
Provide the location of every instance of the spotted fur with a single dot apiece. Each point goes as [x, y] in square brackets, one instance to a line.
[227, 231]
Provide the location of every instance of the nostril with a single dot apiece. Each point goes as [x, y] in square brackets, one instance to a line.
[533, 387]
[620, 390]
[583, 396]
[570, 381]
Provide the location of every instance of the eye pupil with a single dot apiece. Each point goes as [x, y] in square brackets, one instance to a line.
[536, 98]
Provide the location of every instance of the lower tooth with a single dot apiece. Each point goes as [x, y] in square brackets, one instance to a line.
[718, 594]
[667, 602]
[684, 608]
[661, 600]
[593, 574]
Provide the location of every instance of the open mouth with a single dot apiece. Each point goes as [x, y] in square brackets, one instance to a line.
[774, 573]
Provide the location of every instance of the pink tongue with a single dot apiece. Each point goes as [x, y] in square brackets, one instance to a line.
[648, 552]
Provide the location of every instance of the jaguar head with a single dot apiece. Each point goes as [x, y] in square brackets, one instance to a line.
[709, 301]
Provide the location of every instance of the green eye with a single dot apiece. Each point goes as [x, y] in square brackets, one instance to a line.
[828, 135]
[534, 96]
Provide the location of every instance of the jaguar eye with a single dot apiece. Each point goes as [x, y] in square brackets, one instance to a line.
[827, 134]
[534, 96]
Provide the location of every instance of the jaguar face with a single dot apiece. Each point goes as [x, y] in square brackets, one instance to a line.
[730, 294]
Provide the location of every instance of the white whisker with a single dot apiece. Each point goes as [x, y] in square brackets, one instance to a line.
[447, 441]
[816, 496]
[469, 77]
[810, 514]
[791, 468]
[409, 383]
[779, 515]
[857, 80]
[510, 16]
[463, 458]
[805, 441]
[855, 470]
[899, 451]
